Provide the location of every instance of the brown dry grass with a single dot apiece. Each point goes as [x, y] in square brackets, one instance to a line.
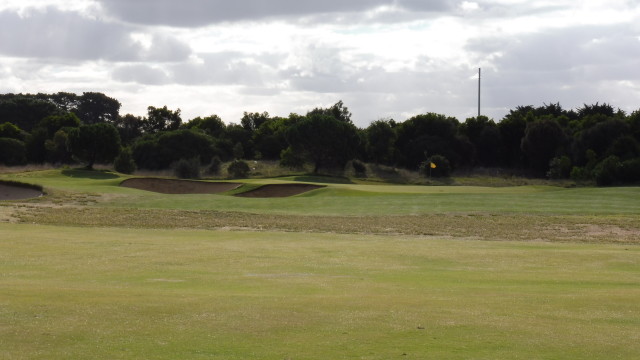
[593, 229]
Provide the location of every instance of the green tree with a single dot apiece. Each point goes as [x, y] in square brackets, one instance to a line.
[187, 168]
[325, 141]
[58, 148]
[130, 127]
[8, 130]
[94, 107]
[212, 125]
[252, 121]
[25, 111]
[599, 137]
[124, 162]
[380, 138]
[159, 151]
[543, 140]
[559, 167]
[236, 134]
[486, 138]
[427, 134]
[161, 119]
[94, 143]
[607, 171]
[12, 152]
[269, 139]
[512, 130]
[238, 169]
[338, 111]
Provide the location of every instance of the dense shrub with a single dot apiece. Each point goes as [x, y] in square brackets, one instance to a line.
[630, 171]
[291, 159]
[436, 166]
[214, 166]
[124, 162]
[579, 173]
[12, 152]
[187, 168]
[360, 168]
[8, 130]
[607, 171]
[238, 169]
[559, 168]
[159, 151]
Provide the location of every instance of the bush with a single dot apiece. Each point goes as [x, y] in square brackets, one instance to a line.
[436, 166]
[630, 171]
[214, 165]
[291, 159]
[12, 152]
[238, 169]
[360, 168]
[607, 171]
[559, 168]
[124, 162]
[187, 168]
[579, 173]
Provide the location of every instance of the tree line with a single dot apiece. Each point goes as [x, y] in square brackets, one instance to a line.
[594, 142]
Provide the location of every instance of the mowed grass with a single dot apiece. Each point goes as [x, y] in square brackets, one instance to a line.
[113, 293]
[351, 271]
[350, 199]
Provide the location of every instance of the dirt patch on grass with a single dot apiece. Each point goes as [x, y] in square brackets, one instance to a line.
[171, 186]
[279, 190]
[616, 229]
[13, 192]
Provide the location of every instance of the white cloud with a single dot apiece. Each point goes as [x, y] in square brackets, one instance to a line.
[384, 58]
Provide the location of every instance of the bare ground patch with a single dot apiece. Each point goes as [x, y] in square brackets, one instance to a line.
[172, 186]
[501, 227]
[279, 190]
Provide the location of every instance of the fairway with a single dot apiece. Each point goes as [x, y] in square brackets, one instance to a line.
[117, 293]
[348, 271]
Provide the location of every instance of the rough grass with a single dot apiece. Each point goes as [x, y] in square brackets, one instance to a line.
[100, 293]
[567, 228]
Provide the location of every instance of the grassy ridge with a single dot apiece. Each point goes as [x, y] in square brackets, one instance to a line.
[115, 293]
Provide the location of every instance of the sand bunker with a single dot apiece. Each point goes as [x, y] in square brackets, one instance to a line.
[11, 192]
[171, 186]
[279, 190]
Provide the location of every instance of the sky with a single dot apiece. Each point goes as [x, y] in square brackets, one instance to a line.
[385, 59]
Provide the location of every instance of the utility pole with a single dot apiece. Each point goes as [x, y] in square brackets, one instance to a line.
[479, 81]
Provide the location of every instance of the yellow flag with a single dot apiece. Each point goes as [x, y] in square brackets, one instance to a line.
[433, 166]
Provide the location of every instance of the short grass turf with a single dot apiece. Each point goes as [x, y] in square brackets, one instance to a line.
[113, 293]
[352, 271]
[347, 199]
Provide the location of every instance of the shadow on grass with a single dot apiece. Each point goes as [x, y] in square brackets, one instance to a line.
[90, 174]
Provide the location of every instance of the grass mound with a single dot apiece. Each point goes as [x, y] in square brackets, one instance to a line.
[279, 190]
[171, 186]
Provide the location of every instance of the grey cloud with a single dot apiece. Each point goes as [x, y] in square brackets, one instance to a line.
[195, 13]
[225, 68]
[579, 50]
[139, 73]
[571, 66]
[51, 33]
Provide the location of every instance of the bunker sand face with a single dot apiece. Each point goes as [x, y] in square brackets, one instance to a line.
[10, 192]
[171, 186]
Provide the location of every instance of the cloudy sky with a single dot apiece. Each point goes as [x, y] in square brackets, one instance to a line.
[383, 58]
